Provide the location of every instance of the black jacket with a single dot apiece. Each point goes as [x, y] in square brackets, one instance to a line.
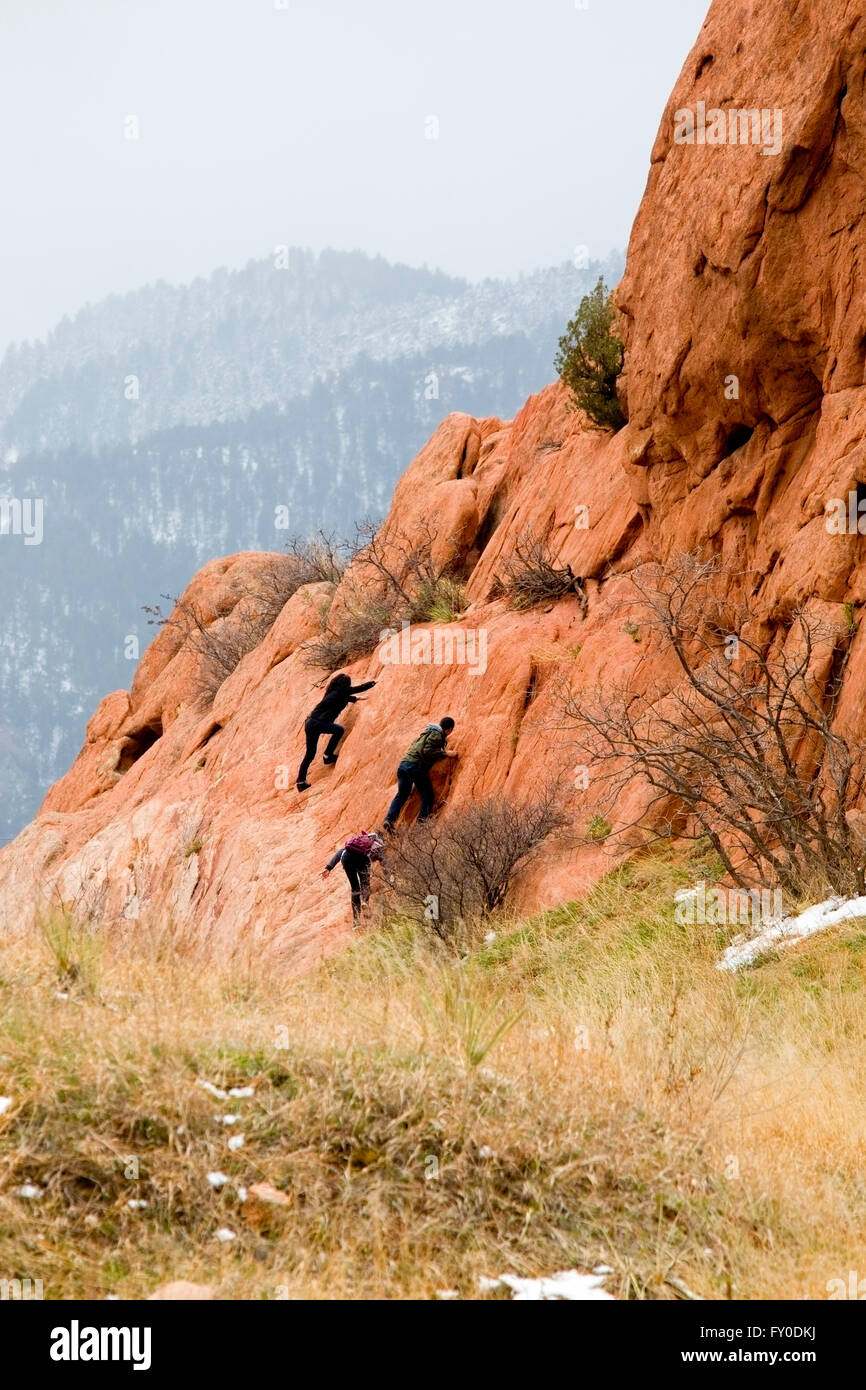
[335, 702]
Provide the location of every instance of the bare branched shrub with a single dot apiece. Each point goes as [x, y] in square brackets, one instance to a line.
[269, 590]
[355, 633]
[452, 873]
[394, 579]
[533, 575]
[744, 750]
[402, 569]
[322, 560]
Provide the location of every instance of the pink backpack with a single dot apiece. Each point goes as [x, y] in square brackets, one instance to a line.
[362, 843]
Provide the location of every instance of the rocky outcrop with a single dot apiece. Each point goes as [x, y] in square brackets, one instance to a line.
[192, 813]
[743, 298]
[745, 325]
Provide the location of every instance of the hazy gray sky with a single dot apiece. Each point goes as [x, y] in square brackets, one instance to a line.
[305, 125]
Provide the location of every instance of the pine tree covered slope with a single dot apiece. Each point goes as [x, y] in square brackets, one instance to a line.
[242, 340]
[166, 426]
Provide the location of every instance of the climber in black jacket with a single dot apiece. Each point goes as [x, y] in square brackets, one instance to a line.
[339, 693]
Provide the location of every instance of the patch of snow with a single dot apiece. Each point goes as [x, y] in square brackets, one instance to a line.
[236, 1142]
[789, 930]
[568, 1284]
[211, 1089]
[29, 1192]
[242, 1092]
[5, 1104]
[218, 1180]
[224, 1235]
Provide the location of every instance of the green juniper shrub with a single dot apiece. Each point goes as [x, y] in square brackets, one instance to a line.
[590, 359]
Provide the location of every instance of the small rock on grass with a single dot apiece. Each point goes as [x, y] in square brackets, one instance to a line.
[181, 1290]
[267, 1208]
[29, 1192]
[264, 1192]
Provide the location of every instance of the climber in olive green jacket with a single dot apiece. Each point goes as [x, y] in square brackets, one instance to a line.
[414, 771]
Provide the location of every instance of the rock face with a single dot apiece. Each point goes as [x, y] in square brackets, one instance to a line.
[744, 299]
[745, 324]
[192, 813]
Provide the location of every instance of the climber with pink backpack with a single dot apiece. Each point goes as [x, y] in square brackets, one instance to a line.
[356, 856]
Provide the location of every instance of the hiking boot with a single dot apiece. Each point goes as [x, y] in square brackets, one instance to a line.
[303, 786]
[329, 759]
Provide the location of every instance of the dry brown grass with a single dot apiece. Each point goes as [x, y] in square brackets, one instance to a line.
[574, 1092]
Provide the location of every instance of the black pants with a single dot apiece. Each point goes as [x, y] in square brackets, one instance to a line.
[357, 868]
[410, 777]
[314, 732]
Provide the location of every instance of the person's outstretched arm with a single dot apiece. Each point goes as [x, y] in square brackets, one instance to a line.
[358, 689]
[333, 861]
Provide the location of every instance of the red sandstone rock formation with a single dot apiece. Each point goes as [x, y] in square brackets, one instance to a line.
[741, 265]
[193, 813]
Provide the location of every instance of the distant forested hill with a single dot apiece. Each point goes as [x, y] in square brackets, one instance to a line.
[165, 426]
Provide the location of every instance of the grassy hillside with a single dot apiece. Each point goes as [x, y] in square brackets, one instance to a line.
[586, 1088]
